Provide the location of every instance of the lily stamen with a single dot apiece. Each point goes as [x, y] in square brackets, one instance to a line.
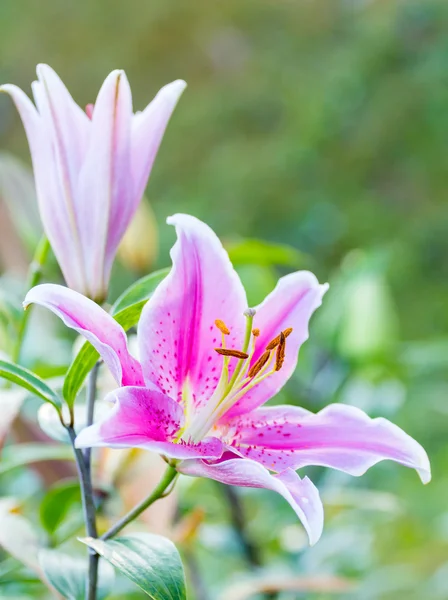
[234, 353]
[280, 354]
[256, 367]
[276, 341]
[222, 327]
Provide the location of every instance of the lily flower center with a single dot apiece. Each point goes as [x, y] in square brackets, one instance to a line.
[245, 376]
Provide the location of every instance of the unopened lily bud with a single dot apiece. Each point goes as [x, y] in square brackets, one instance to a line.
[91, 168]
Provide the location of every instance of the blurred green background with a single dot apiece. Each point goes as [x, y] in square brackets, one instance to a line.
[320, 125]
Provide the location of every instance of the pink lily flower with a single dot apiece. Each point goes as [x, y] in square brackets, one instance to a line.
[208, 364]
[91, 168]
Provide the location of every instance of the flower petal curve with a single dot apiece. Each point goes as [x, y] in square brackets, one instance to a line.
[291, 304]
[177, 333]
[104, 196]
[301, 494]
[148, 128]
[93, 323]
[339, 436]
[146, 418]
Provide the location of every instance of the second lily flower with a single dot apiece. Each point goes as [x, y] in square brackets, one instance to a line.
[91, 168]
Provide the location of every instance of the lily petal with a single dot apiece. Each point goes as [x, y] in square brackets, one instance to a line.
[146, 418]
[66, 124]
[301, 494]
[66, 130]
[148, 128]
[339, 436]
[290, 304]
[177, 333]
[104, 199]
[57, 221]
[95, 324]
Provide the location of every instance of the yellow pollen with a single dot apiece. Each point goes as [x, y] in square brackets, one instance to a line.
[276, 341]
[256, 368]
[234, 353]
[255, 332]
[280, 356]
[222, 327]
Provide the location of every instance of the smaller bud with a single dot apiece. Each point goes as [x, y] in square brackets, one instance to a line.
[222, 327]
[234, 353]
[255, 332]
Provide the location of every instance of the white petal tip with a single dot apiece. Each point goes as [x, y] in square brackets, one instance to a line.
[425, 473]
[172, 91]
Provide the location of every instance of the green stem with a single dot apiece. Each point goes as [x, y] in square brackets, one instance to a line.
[91, 396]
[249, 321]
[34, 276]
[159, 492]
[88, 506]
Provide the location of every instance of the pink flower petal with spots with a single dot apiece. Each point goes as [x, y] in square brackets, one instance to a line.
[93, 323]
[339, 436]
[301, 494]
[290, 304]
[146, 418]
[177, 333]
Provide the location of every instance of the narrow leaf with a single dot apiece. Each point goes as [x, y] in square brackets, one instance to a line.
[151, 561]
[139, 291]
[28, 380]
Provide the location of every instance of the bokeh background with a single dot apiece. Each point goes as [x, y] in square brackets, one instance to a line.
[313, 134]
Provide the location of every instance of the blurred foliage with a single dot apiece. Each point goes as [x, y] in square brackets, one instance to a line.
[319, 126]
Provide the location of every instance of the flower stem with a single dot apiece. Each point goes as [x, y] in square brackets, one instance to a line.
[34, 276]
[88, 506]
[159, 492]
[91, 396]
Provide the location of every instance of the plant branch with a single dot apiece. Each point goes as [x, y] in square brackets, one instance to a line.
[91, 396]
[88, 506]
[159, 492]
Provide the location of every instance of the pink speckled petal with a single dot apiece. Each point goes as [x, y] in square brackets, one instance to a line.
[146, 418]
[291, 304]
[176, 333]
[339, 436]
[95, 324]
[301, 494]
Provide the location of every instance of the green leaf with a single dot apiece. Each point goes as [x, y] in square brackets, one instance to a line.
[79, 369]
[151, 561]
[57, 503]
[28, 380]
[19, 455]
[126, 311]
[259, 252]
[139, 291]
[68, 574]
